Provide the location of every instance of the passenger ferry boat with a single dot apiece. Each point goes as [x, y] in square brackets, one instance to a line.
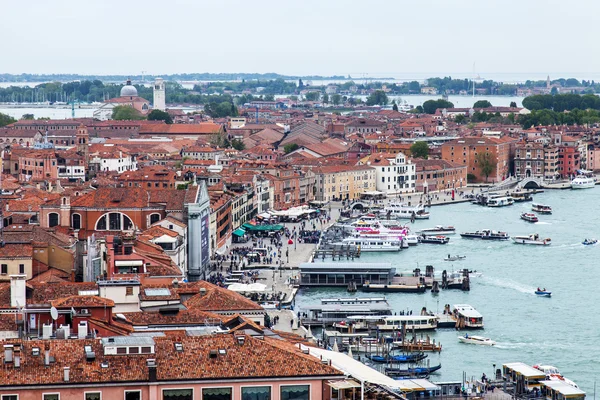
[389, 323]
[500, 202]
[584, 180]
[403, 211]
[533, 239]
[434, 239]
[553, 374]
[333, 310]
[467, 317]
[520, 197]
[486, 234]
[438, 230]
[374, 244]
[541, 208]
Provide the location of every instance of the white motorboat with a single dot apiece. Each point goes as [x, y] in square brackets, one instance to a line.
[467, 316]
[533, 239]
[438, 230]
[411, 240]
[584, 180]
[553, 374]
[454, 258]
[486, 234]
[480, 340]
[541, 208]
[403, 211]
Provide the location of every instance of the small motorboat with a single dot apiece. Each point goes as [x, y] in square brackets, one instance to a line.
[398, 358]
[454, 258]
[531, 239]
[434, 239]
[529, 217]
[480, 340]
[486, 234]
[589, 242]
[541, 208]
[543, 292]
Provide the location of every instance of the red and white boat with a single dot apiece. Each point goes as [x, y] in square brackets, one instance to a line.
[529, 217]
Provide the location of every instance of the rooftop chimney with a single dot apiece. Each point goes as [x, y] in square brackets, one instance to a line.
[151, 364]
[66, 373]
[17, 290]
[8, 353]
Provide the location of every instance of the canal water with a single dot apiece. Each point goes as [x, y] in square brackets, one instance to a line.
[562, 330]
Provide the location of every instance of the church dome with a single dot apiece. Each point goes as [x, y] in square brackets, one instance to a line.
[129, 90]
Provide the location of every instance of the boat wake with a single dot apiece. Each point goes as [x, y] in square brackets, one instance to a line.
[543, 223]
[508, 284]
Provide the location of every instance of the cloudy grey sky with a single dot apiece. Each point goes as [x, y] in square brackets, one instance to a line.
[375, 37]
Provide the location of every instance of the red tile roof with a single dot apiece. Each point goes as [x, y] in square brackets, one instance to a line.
[218, 299]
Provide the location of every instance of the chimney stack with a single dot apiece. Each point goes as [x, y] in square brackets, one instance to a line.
[151, 364]
[8, 353]
[17, 290]
[47, 355]
[66, 373]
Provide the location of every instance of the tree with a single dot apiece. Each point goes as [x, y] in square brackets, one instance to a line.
[221, 110]
[482, 104]
[312, 96]
[219, 140]
[431, 105]
[419, 149]
[122, 113]
[269, 97]
[486, 164]
[336, 99]
[460, 118]
[238, 145]
[378, 97]
[288, 148]
[554, 91]
[513, 104]
[395, 107]
[325, 98]
[28, 116]
[159, 115]
[6, 119]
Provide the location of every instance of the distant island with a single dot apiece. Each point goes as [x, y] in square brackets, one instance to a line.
[204, 76]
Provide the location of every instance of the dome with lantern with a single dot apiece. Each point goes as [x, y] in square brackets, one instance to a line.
[129, 90]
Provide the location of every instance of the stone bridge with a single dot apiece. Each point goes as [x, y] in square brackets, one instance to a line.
[531, 183]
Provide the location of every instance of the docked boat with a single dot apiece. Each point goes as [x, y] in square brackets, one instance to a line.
[373, 244]
[332, 310]
[553, 374]
[500, 202]
[398, 358]
[589, 242]
[411, 240]
[417, 371]
[434, 239]
[438, 230]
[454, 258]
[533, 239]
[543, 293]
[529, 217]
[520, 197]
[403, 211]
[486, 234]
[467, 317]
[541, 208]
[584, 180]
[480, 340]
[393, 287]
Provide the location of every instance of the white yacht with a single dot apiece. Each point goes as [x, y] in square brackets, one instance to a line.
[411, 240]
[438, 230]
[584, 180]
[480, 340]
[374, 244]
[533, 239]
[500, 202]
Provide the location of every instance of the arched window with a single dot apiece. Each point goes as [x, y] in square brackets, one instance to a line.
[53, 219]
[33, 219]
[114, 221]
[154, 218]
[76, 221]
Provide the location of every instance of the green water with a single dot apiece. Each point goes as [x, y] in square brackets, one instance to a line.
[560, 331]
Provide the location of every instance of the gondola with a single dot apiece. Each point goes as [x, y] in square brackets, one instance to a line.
[399, 358]
[412, 371]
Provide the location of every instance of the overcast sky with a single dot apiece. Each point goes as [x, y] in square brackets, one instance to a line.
[301, 37]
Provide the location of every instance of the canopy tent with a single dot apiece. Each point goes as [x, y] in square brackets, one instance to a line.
[343, 384]
[262, 228]
[239, 232]
[251, 287]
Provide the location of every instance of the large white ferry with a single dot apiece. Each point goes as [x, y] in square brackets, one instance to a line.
[374, 244]
[403, 211]
[389, 323]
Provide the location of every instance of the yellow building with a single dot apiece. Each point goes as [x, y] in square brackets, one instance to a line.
[343, 182]
[15, 259]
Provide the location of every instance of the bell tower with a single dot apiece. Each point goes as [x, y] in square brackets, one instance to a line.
[159, 95]
[83, 138]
